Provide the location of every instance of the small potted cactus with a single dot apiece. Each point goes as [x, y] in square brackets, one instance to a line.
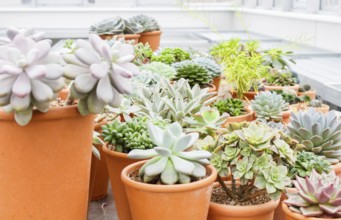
[151, 33]
[270, 106]
[306, 90]
[317, 198]
[173, 183]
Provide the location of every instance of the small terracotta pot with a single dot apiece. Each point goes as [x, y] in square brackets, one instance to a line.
[168, 202]
[289, 215]
[247, 96]
[285, 116]
[303, 107]
[116, 162]
[236, 119]
[212, 88]
[269, 88]
[255, 212]
[216, 82]
[153, 38]
[127, 37]
[337, 170]
[310, 93]
[45, 165]
[279, 213]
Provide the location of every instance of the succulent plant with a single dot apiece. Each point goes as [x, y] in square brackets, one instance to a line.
[304, 88]
[269, 106]
[315, 103]
[146, 78]
[132, 27]
[160, 68]
[126, 109]
[290, 96]
[96, 140]
[170, 162]
[12, 32]
[194, 73]
[319, 133]
[281, 78]
[210, 65]
[143, 53]
[306, 162]
[234, 107]
[30, 77]
[318, 196]
[277, 58]
[114, 25]
[171, 55]
[148, 23]
[100, 73]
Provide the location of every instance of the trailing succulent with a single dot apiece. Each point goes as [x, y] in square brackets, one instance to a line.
[193, 72]
[258, 156]
[269, 106]
[318, 196]
[100, 73]
[234, 107]
[171, 55]
[148, 23]
[210, 65]
[30, 76]
[170, 163]
[319, 133]
[159, 68]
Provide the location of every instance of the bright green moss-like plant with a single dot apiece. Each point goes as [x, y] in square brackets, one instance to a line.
[234, 107]
[171, 55]
[193, 72]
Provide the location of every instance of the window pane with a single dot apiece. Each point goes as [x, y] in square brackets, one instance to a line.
[329, 5]
[278, 3]
[59, 2]
[299, 4]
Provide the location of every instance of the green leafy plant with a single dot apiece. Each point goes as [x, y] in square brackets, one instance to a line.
[318, 196]
[281, 78]
[269, 106]
[143, 53]
[162, 69]
[290, 96]
[147, 23]
[171, 55]
[277, 58]
[234, 107]
[169, 161]
[319, 133]
[193, 72]
[210, 65]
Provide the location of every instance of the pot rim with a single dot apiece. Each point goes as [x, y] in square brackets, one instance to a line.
[249, 112]
[297, 216]
[166, 188]
[296, 86]
[114, 153]
[121, 35]
[151, 33]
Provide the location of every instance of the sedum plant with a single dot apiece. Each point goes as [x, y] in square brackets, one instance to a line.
[30, 76]
[143, 53]
[162, 69]
[170, 162]
[171, 55]
[234, 107]
[281, 78]
[210, 65]
[100, 73]
[318, 196]
[290, 96]
[319, 133]
[147, 23]
[269, 106]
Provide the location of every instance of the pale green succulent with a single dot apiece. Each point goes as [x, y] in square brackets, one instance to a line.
[159, 68]
[315, 103]
[126, 109]
[148, 23]
[319, 133]
[169, 161]
[96, 140]
[147, 79]
[210, 65]
[193, 72]
[113, 25]
[269, 106]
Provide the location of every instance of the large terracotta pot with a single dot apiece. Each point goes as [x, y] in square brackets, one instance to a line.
[116, 162]
[255, 212]
[324, 109]
[153, 38]
[269, 88]
[168, 202]
[127, 37]
[216, 82]
[310, 93]
[289, 215]
[247, 96]
[45, 165]
[337, 170]
[212, 88]
[236, 119]
[279, 213]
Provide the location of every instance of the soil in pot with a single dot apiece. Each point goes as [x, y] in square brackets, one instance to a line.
[153, 38]
[168, 202]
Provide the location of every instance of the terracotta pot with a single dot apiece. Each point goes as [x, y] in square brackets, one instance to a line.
[236, 119]
[116, 162]
[127, 37]
[285, 116]
[216, 82]
[99, 176]
[310, 93]
[45, 165]
[153, 38]
[269, 88]
[247, 96]
[303, 107]
[255, 212]
[337, 170]
[279, 213]
[168, 202]
[212, 88]
[63, 94]
[289, 215]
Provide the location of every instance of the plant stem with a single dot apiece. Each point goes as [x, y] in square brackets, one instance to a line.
[225, 188]
[69, 100]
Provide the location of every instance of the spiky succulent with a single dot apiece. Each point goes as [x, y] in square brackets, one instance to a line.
[29, 33]
[210, 65]
[171, 55]
[315, 103]
[319, 133]
[100, 73]
[143, 53]
[30, 77]
[169, 161]
[146, 78]
[306, 162]
[193, 72]
[281, 78]
[159, 68]
[319, 195]
[304, 88]
[234, 107]
[125, 110]
[148, 23]
[113, 25]
[269, 106]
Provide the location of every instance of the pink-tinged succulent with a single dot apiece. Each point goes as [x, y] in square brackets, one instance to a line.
[30, 77]
[317, 196]
[100, 73]
[12, 32]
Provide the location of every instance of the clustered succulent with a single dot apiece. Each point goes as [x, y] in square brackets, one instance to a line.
[171, 55]
[148, 23]
[210, 65]
[269, 106]
[319, 133]
[290, 96]
[281, 78]
[169, 162]
[318, 196]
[234, 107]
[29, 33]
[113, 25]
[143, 53]
[159, 68]
[304, 88]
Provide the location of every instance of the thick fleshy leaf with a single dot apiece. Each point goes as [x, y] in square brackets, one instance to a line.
[55, 84]
[175, 128]
[10, 69]
[311, 211]
[165, 152]
[41, 92]
[195, 155]
[185, 142]
[85, 83]
[23, 117]
[80, 43]
[5, 100]
[156, 168]
[122, 71]
[149, 162]
[182, 166]
[71, 71]
[86, 56]
[12, 32]
[131, 68]
[168, 139]
[20, 103]
[72, 59]
[104, 91]
[22, 86]
[83, 106]
[95, 105]
[43, 48]
[36, 71]
[155, 134]
[120, 83]
[125, 59]
[169, 176]
[6, 83]
[21, 43]
[199, 170]
[142, 154]
[116, 101]
[53, 71]
[183, 178]
[99, 70]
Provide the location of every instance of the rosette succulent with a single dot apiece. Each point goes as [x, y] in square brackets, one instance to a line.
[170, 162]
[148, 23]
[269, 106]
[159, 68]
[281, 78]
[30, 77]
[210, 65]
[234, 107]
[304, 88]
[193, 72]
[100, 73]
[319, 133]
[114, 25]
[29, 33]
[319, 195]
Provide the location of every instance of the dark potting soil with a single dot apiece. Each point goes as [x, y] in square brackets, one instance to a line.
[219, 196]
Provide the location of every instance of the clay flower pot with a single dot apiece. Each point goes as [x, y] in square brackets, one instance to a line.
[45, 165]
[279, 213]
[289, 215]
[211, 88]
[310, 93]
[269, 88]
[285, 116]
[116, 162]
[247, 96]
[63, 94]
[216, 82]
[127, 37]
[236, 119]
[255, 212]
[153, 38]
[303, 107]
[168, 202]
[337, 170]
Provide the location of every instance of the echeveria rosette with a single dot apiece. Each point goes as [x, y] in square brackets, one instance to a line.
[100, 73]
[12, 32]
[30, 77]
[169, 160]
